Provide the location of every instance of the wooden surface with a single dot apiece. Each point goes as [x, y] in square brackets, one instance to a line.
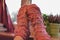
[7, 34]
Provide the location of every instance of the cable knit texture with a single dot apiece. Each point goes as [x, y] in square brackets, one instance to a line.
[32, 14]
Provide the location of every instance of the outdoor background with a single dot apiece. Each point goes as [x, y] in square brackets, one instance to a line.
[46, 6]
